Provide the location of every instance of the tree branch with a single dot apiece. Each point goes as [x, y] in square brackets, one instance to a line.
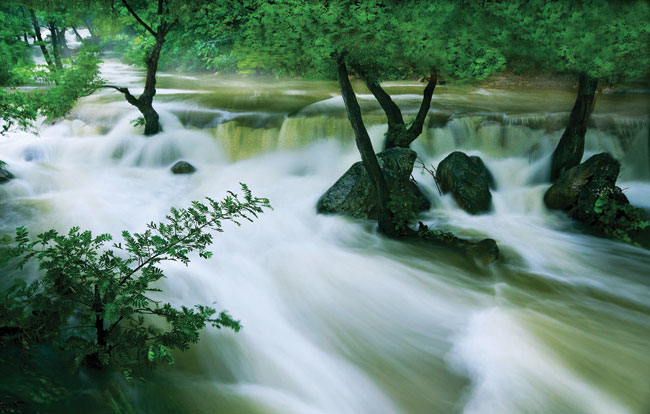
[130, 98]
[393, 113]
[415, 129]
[142, 23]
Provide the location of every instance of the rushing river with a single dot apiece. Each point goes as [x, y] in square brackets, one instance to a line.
[338, 319]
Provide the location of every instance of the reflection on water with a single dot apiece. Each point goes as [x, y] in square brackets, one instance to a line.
[336, 318]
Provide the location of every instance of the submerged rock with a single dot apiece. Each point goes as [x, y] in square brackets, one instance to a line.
[5, 174]
[468, 180]
[183, 167]
[485, 251]
[354, 195]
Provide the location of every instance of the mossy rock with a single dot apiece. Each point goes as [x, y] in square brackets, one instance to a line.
[588, 193]
[354, 195]
[583, 182]
[485, 251]
[468, 181]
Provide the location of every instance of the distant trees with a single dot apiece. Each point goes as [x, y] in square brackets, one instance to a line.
[595, 40]
[67, 79]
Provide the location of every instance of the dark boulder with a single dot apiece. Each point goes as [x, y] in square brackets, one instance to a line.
[5, 175]
[582, 182]
[468, 180]
[588, 193]
[354, 195]
[183, 167]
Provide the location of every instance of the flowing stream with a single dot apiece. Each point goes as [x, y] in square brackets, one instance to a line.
[338, 319]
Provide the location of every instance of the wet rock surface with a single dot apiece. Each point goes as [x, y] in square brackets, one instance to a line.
[468, 180]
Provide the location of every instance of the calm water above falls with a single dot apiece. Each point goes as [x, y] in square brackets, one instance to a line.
[336, 318]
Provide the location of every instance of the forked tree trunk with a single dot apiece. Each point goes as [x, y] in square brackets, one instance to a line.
[398, 135]
[570, 149]
[364, 145]
[39, 39]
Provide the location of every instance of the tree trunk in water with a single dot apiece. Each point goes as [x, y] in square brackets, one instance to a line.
[39, 38]
[571, 147]
[416, 127]
[364, 145]
[396, 125]
[56, 46]
[151, 118]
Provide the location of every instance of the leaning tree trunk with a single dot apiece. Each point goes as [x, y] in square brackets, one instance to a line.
[39, 38]
[364, 145]
[56, 46]
[396, 125]
[570, 149]
[94, 38]
[77, 35]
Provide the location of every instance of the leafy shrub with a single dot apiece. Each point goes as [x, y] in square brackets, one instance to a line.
[618, 220]
[95, 301]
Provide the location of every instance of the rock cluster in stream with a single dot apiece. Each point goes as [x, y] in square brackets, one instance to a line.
[580, 188]
[354, 195]
[468, 181]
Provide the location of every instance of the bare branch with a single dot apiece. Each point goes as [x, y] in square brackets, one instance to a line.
[130, 98]
[416, 127]
[142, 23]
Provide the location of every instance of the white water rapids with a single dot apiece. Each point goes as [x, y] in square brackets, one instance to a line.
[338, 319]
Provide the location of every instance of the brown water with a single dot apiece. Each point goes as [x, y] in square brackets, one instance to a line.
[336, 318]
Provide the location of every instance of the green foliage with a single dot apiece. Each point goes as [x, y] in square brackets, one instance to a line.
[13, 50]
[138, 122]
[437, 235]
[202, 40]
[18, 109]
[599, 38]
[96, 302]
[384, 39]
[77, 78]
[403, 208]
[618, 220]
